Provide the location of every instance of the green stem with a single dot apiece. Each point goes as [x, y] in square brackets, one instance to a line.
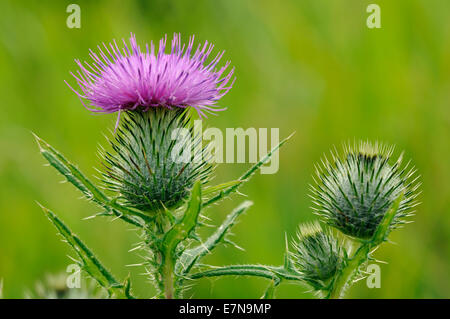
[346, 276]
[277, 273]
[165, 256]
[178, 232]
[168, 278]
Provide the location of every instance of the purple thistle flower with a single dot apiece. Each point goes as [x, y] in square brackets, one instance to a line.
[131, 79]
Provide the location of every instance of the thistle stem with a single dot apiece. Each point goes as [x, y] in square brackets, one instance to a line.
[168, 278]
[346, 276]
[269, 272]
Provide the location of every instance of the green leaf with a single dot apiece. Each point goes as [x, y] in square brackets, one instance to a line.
[191, 256]
[220, 187]
[270, 291]
[384, 227]
[246, 176]
[1, 288]
[89, 262]
[288, 265]
[90, 191]
[127, 288]
[181, 230]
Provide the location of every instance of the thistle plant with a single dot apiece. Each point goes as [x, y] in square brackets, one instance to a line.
[161, 185]
[146, 178]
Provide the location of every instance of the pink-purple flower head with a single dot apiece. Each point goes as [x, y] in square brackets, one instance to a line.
[130, 79]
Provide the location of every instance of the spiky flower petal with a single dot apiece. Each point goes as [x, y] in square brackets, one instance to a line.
[147, 167]
[317, 255]
[355, 190]
[131, 79]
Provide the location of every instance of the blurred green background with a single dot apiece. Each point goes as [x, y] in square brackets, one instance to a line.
[309, 66]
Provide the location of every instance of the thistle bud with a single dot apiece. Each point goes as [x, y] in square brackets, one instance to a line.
[354, 191]
[146, 168]
[318, 255]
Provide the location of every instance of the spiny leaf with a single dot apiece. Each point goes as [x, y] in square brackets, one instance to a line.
[384, 227]
[89, 261]
[191, 256]
[270, 291]
[287, 260]
[186, 225]
[220, 187]
[127, 288]
[246, 176]
[91, 192]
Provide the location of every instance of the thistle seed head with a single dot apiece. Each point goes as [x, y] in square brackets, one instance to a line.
[354, 191]
[317, 255]
[143, 168]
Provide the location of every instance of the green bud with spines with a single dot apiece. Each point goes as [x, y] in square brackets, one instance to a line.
[354, 191]
[318, 255]
[148, 166]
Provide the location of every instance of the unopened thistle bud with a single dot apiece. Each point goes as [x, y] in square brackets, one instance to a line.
[355, 190]
[317, 255]
[146, 168]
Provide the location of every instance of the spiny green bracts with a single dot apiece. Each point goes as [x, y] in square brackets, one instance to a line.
[317, 255]
[354, 192]
[154, 165]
